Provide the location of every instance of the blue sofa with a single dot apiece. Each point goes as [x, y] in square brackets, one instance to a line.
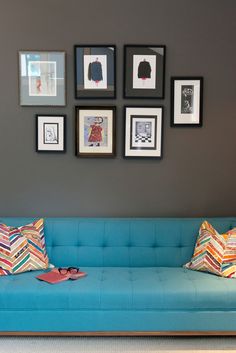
[135, 285]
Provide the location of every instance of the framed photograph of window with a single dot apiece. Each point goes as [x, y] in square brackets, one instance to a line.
[42, 80]
[144, 71]
[95, 71]
[186, 101]
[95, 131]
[143, 132]
[50, 133]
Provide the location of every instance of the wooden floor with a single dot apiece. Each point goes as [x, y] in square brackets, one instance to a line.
[122, 333]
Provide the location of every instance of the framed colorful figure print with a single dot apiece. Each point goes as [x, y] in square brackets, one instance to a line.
[50, 133]
[42, 80]
[144, 71]
[186, 101]
[143, 132]
[95, 71]
[95, 131]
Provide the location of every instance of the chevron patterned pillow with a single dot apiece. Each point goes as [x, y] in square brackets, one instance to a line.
[214, 253]
[22, 249]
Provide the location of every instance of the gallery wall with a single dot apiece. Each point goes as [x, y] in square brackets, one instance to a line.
[197, 174]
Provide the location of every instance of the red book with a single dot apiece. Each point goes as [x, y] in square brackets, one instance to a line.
[55, 277]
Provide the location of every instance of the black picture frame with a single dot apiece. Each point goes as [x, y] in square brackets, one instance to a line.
[95, 131]
[42, 78]
[144, 60]
[145, 139]
[50, 133]
[186, 101]
[93, 62]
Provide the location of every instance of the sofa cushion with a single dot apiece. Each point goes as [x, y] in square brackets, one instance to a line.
[22, 248]
[214, 253]
[121, 242]
[121, 289]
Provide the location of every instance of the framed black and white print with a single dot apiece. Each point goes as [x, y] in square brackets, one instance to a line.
[95, 131]
[186, 101]
[144, 71]
[95, 71]
[50, 133]
[42, 80]
[143, 131]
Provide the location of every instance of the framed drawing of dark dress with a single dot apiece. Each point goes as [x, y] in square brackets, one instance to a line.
[95, 71]
[144, 71]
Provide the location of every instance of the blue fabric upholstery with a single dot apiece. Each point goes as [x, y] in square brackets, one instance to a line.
[135, 279]
[117, 320]
[121, 242]
[121, 288]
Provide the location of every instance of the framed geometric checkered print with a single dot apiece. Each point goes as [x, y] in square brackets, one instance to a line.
[143, 132]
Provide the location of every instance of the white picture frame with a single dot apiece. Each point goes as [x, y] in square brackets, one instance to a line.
[143, 132]
[50, 133]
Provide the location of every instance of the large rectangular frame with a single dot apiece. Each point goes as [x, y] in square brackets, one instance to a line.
[42, 77]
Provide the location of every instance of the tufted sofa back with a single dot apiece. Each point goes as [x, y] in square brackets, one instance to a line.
[122, 242]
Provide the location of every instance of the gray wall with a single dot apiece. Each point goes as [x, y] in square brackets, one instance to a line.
[197, 175]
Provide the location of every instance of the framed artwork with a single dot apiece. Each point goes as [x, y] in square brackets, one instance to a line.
[95, 131]
[95, 71]
[50, 133]
[144, 71]
[42, 79]
[143, 131]
[186, 101]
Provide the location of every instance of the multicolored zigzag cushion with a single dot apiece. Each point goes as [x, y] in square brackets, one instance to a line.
[22, 249]
[214, 253]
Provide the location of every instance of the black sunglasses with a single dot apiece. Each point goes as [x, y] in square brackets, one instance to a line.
[65, 270]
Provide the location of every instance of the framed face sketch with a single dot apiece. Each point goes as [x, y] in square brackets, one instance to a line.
[42, 78]
[95, 71]
[50, 133]
[143, 132]
[144, 71]
[186, 101]
[95, 131]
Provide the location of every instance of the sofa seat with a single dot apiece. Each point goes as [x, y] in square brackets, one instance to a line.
[121, 288]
